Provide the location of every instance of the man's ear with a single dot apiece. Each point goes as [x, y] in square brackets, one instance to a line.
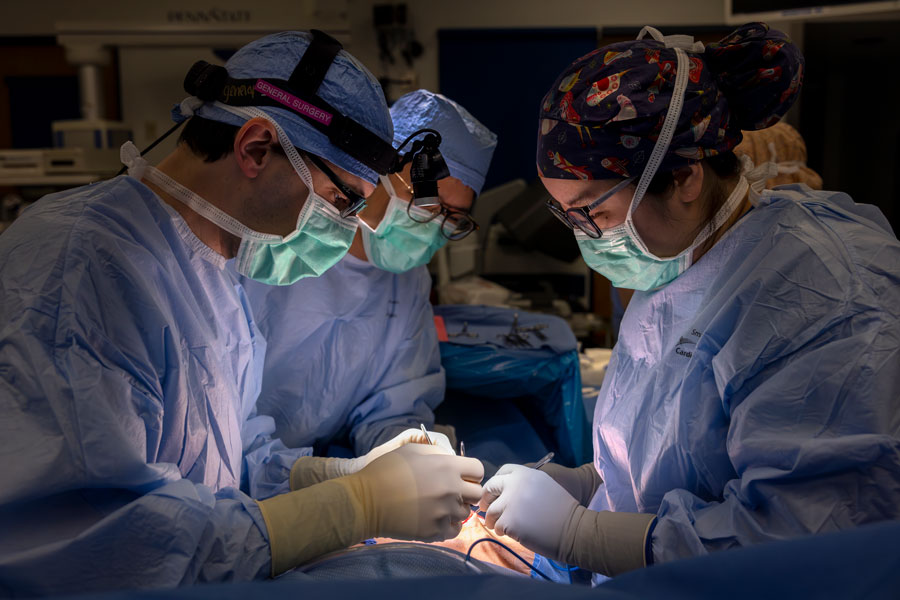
[688, 183]
[253, 146]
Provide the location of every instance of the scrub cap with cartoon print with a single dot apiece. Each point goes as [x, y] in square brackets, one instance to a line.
[603, 114]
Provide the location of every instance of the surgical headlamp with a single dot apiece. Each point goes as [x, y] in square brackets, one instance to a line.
[299, 95]
[428, 166]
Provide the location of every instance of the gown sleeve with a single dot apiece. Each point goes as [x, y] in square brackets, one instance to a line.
[82, 508]
[267, 461]
[119, 468]
[810, 387]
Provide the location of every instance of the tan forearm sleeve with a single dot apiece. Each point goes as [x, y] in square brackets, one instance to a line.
[606, 542]
[581, 482]
[310, 470]
[310, 522]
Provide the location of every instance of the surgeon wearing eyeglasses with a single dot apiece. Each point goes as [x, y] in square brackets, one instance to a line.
[352, 358]
[130, 359]
[754, 392]
[398, 233]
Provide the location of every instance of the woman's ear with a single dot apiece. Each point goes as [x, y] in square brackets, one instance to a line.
[253, 146]
[688, 183]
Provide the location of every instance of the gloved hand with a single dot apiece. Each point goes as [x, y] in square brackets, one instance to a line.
[416, 492]
[530, 507]
[309, 470]
[410, 436]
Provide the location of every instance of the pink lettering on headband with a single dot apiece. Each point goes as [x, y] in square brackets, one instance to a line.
[293, 102]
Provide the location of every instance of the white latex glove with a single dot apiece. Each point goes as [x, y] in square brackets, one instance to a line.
[416, 492]
[309, 470]
[529, 506]
[421, 492]
[410, 436]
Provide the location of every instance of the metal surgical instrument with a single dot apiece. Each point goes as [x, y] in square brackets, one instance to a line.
[543, 461]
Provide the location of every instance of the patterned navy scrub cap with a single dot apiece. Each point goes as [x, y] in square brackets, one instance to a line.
[604, 113]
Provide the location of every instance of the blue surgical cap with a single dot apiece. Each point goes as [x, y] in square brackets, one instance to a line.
[466, 144]
[348, 86]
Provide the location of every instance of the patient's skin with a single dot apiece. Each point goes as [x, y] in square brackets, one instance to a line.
[473, 529]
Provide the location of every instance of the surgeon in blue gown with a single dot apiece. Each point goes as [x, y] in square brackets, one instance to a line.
[130, 361]
[353, 355]
[754, 392]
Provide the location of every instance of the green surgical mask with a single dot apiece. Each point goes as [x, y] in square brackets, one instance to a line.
[321, 239]
[618, 258]
[399, 243]
[621, 256]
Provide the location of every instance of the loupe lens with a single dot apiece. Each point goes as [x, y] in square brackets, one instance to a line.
[456, 227]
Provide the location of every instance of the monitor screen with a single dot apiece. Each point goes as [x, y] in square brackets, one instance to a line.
[742, 11]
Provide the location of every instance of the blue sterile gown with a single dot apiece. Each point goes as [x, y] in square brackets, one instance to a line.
[352, 356]
[757, 396]
[129, 367]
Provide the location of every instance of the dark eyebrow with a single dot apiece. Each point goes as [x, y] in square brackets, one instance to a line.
[584, 198]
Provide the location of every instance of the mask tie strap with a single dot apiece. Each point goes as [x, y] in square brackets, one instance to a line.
[140, 169]
[300, 167]
[388, 186]
[757, 176]
[685, 42]
[662, 142]
[189, 105]
[249, 112]
[131, 157]
[787, 166]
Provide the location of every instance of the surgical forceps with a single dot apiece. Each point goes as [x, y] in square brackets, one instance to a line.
[543, 461]
[427, 437]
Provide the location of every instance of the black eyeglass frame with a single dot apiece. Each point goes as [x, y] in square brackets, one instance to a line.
[446, 213]
[580, 217]
[355, 202]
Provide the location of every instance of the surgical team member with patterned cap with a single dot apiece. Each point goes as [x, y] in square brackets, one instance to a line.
[754, 392]
[131, 363]
[353, 355]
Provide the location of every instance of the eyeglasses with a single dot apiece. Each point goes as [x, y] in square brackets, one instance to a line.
[580, 217]
[354, 202]
[456, 224]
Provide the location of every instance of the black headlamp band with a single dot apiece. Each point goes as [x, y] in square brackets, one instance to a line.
[298, 94]
[310, 71]
[342, 132]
